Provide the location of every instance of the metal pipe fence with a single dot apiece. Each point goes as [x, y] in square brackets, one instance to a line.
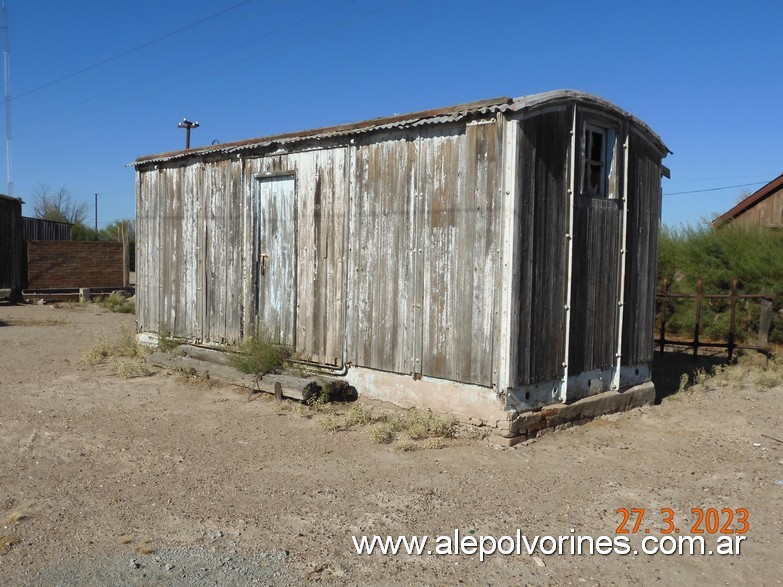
[765, 319]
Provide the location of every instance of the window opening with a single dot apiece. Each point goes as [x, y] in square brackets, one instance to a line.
[596, 170]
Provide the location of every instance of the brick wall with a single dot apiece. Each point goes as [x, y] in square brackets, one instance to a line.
[61, 264]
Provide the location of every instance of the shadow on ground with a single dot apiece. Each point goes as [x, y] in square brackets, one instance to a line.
[669, 367]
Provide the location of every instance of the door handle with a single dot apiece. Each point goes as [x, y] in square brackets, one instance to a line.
[264, 257]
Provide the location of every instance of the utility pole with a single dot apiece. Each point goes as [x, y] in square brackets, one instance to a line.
[96, 214]
[187, 125]
[7, 83]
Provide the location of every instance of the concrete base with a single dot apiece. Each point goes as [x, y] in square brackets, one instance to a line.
[470, 403]
[522, 426]
[483, 407]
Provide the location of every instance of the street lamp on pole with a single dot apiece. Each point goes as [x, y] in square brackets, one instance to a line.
[187, 125]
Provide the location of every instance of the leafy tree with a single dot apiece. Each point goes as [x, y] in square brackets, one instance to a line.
[82, 232]
[114, 231]
[59, 206]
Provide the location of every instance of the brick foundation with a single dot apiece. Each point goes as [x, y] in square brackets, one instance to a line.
[521, 427]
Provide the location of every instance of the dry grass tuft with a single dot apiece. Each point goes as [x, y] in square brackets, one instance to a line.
[16, 517]
[144, 547]
[123, 345]
[749, 369]
[8, 541]
[358, 415]
[129, 369]
[410, 430]
[167, 342]
[416, 425]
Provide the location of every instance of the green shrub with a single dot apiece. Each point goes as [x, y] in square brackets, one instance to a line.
[116, 302]
[257, 354]
[752, 255]
[167, 342]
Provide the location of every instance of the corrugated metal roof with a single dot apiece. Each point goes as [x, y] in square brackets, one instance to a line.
[435, 116]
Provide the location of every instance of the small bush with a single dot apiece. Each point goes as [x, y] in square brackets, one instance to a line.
[257, 355]
[167, 342]
[118, 303]
[384, 432]
[750, 368]
[358, 415]
[416, 425]
[124, 345]
[130, 369]
[752, 255]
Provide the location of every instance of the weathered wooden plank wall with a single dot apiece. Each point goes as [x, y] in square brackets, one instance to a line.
[644, 181]
[767, 212]
[321, 205]
[223, 239]
[543, 185]
[594, 284]
[461, 241]
[278, 254]
[382, 251]
[11, 244]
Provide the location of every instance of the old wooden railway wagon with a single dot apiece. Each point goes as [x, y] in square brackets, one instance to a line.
[11, 248]
[498, 255]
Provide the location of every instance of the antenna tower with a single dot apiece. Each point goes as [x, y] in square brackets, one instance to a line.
[7, 84]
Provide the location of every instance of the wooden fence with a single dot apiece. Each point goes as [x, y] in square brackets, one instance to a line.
[765, 319]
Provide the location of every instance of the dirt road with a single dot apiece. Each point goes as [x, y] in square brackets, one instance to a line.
[160, 480]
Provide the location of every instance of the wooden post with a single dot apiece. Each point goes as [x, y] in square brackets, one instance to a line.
[697, 328]
[125, 254]
[665, 293]
[732, 316]
[765, 321]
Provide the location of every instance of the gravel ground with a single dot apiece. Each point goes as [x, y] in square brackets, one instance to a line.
[166, 480]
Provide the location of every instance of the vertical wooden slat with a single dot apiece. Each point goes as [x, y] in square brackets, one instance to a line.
[461, 239]
[544, 146]
[642, 250]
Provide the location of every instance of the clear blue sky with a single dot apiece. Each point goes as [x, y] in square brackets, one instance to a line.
[96, 84]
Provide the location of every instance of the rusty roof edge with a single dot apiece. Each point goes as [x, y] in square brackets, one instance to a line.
[565, 96]
[386, 122]
[750, 201]
[433, 116]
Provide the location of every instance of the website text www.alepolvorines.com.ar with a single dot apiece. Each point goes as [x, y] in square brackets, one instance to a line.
[519, 544]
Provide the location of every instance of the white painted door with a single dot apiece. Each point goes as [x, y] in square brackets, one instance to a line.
[277, 257]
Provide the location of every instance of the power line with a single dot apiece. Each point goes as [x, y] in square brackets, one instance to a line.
[201, 60]
[294, 41]
[132, 50]
[727, 187]
[678, 179]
